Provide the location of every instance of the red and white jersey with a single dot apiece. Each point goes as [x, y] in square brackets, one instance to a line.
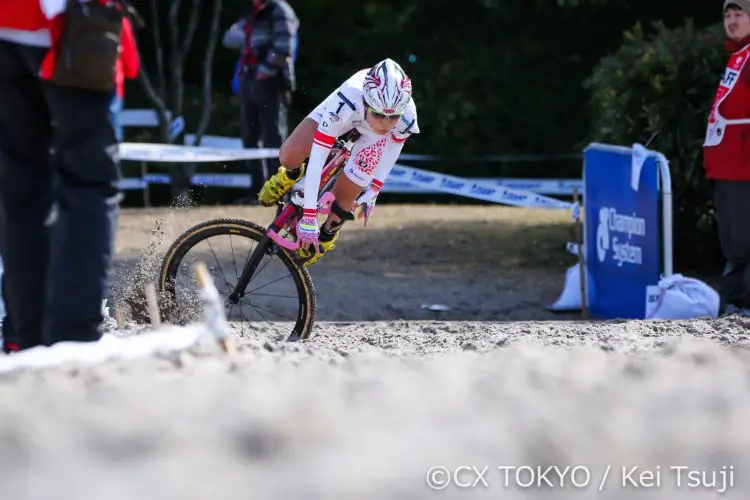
[373, 155]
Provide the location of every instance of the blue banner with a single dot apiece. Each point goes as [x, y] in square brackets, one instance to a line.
[622, 230]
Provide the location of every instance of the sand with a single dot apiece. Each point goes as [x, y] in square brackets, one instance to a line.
[380, 396]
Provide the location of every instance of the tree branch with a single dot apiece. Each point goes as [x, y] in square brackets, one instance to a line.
[175, 62]
[191, 27]
[162, 114]
[159, 49]
[207, 73]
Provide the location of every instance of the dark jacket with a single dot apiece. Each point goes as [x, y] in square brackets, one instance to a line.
[268, 38]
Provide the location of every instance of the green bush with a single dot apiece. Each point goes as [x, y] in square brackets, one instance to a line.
[659, 88]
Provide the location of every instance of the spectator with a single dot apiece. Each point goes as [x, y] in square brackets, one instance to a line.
[726, 161]
[128, 66]
[267, 38]
[60, 212]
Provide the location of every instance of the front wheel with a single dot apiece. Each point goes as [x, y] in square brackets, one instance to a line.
[280, 295]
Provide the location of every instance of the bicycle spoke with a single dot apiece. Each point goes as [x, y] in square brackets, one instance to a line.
[271, 283]
[269, 323]
[242, 316]
[220, 278]
[258, 271]
[255, 306]
[217, 261]
[210, 269]
[236, 272]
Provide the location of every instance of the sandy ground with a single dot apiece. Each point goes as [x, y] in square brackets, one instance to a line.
[380, 395]
[484, 262]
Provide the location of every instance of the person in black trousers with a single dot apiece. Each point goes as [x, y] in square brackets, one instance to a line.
[58, 192]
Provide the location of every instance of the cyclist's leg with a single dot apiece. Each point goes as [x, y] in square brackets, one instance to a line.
[291, 156]
[297, 146]
[346, 193]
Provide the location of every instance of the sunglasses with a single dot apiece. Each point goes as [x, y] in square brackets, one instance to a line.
[381, 115]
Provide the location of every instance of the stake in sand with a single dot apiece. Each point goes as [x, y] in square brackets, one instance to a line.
[581, 260]
[153, 307]
[120, 318]
[213, 307]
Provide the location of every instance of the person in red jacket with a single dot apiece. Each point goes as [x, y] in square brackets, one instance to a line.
[726, 159]
[58, 211]
[127, 68]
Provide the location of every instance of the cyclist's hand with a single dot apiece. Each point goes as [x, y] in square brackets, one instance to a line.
[366, 210]
[308, 231]
[366, 204]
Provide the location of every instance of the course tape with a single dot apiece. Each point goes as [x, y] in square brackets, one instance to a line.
[174, 153]
[475, 189]
[222, 142]
[539, 186]
[424, 179]
[491, 191]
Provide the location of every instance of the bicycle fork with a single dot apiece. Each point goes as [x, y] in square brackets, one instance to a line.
[264, 245]
[249, 269]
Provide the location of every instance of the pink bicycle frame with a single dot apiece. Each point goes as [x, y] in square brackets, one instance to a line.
[324, 203]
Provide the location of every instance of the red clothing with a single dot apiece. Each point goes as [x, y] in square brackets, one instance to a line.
[247, 57]
[23, 15]
[727, 157]
[128, 64]
[27, 15]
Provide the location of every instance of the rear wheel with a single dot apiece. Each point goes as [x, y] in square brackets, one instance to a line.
[279, 298]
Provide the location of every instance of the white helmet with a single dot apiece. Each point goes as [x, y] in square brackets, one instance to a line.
[387, 89]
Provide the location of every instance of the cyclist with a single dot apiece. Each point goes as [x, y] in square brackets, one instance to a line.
[377, 103]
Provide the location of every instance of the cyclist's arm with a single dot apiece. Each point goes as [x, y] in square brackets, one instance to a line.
[390, 154]
[335, 120]
[395, 144]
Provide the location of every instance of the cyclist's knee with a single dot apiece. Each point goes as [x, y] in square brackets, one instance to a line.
[297, 146]
[289, 156]
[344, 214]
[346, 192]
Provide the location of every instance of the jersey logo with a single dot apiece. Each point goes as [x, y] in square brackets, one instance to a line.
[369, 157]
[344, 101]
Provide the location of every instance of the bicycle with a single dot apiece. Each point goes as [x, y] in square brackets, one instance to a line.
[278, 239]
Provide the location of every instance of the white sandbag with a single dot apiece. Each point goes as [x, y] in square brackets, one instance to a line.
[570, 298]
[680, 297]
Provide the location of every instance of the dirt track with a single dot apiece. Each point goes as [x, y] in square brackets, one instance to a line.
[364, 409]
[484, 262]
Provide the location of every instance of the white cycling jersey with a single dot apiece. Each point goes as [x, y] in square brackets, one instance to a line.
[373, 155]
